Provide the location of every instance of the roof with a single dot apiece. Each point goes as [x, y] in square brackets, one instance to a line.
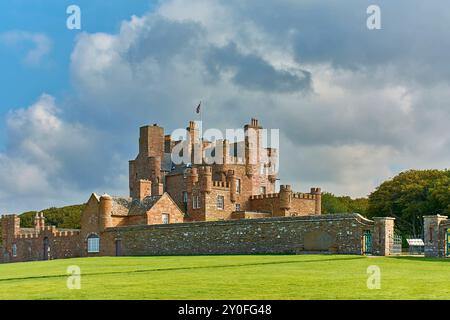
[125, 206]
[166, 164]
[415, 242]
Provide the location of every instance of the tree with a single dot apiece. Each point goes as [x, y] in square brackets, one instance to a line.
[343, 204]
[411, 195]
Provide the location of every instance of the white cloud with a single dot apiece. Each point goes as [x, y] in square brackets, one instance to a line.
[372, 106]
[50, 161]
[41, 44]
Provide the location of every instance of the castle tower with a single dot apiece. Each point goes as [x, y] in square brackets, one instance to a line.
[252, 147]
[151, 141]
[10, 225]
[195, 144]
[39, 222]
[272, 153]
[147, 165]
[105, 219]
[231, 179]
[285, 199]
[206, 179]
[318, 196]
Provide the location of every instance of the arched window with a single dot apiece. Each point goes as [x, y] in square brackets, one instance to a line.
[93, 243]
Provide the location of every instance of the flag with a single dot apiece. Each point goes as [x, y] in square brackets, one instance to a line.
[198, 107]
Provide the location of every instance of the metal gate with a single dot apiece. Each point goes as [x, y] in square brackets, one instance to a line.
[448, 242]
[367, 242]
[396, 244]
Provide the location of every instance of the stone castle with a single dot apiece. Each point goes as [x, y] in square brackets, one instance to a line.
[230, 206]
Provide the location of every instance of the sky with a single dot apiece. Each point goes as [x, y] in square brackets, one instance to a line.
[354, 106]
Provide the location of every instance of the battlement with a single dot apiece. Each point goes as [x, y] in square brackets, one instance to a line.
[264, 196]
[9, 216]
[52, 229]
[221, 184]
[67, 233]
[296, 195]
[27, 236]
[300, 195]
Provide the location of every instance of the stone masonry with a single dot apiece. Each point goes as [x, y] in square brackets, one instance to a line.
[436, 229]
[339, 234]
[230, 207]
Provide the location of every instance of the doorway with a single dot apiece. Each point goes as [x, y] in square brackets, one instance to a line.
[46, 249]
[118, 247]
[367, 242]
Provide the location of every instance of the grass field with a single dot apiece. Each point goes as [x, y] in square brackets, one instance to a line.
[229, 277]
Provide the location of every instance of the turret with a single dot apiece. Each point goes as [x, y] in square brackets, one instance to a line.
[231, 179]
[207, 179]
[285, 198]
[151, 141]
[105, 219]
[318, 193]
[39, 222]
[272, 153]
[225, 152]
[252, 147]
[192, 178]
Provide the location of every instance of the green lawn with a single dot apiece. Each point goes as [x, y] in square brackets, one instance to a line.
[229, 277]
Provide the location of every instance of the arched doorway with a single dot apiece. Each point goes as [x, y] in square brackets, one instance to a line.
[367, 242]
[46, 248]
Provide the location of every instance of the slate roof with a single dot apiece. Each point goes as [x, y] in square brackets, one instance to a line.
[125, 206]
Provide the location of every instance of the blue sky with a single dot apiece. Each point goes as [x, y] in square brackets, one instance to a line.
[354, 106]
[22, 83]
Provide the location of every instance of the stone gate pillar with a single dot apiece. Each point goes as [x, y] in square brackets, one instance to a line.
[434, 244]
[383, 236]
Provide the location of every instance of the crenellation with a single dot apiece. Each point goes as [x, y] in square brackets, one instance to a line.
[199, 208]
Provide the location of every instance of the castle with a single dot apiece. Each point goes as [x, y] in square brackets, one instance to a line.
[197, 207]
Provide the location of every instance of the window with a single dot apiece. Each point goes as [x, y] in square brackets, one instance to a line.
[185, 197]
[165, 218]
[238, 186]
[14, 250]
[262, 190]
[238, 207]
[93, 244]
[195, 202]
[262, 169]
[220, 202]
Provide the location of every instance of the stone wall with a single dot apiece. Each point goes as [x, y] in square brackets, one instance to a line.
[301, 204]
[342, 234]
[435, 229]
[30, 247]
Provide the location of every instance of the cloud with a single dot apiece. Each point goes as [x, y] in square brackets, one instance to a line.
[41, 44]
[48, 160]
[353, 106]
